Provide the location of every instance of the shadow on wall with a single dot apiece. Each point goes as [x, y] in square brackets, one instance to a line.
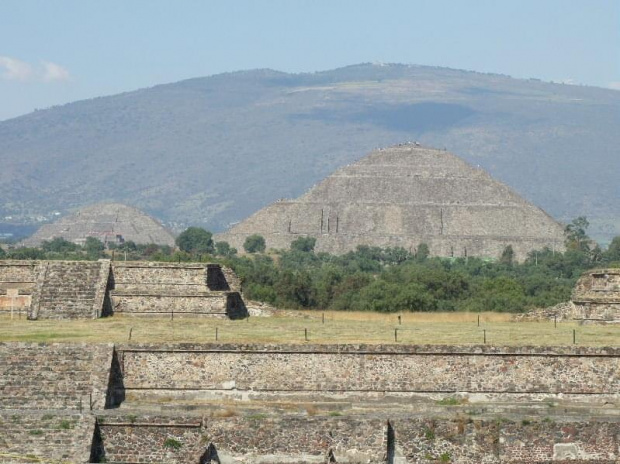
[216, 280]
[116, 384]
[235, 307]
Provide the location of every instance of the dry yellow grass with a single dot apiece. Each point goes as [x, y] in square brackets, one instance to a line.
[339, 327]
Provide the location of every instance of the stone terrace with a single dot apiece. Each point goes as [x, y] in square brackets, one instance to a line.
[597, 296]
[301, 404]
[265, 438]
[54, 437]
[53, 376]
[70, 290]
[88, 290]
[47, 392]
[153, 289]
[17, 282]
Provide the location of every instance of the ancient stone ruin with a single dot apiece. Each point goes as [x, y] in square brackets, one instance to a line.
[299, 404]
[92, 289]
[108, 222]
[596, 296]
[403, 196]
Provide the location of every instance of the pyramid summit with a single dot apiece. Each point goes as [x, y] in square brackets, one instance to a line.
[108, 222]
[402, 196]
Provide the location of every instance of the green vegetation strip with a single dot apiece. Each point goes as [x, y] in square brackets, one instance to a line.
[339, 327]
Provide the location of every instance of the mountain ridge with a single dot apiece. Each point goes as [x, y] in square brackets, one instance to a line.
[210, 151]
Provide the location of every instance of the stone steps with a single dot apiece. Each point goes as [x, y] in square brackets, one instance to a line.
[46, 437]
[39, 376]
[69, 289]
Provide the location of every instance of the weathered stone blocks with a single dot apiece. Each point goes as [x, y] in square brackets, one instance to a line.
[597, 296]
[86, 289]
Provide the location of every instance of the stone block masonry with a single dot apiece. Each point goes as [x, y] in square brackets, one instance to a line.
[45, 436]
[17, 282]
[47, 391]
[88, 290]
[47, 394]
[151, 289]
[264, 438]
[597, 296]
[70, 290]
[359, 368]
[56, 376]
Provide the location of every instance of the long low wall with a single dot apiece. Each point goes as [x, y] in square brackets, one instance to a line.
[265, 439]
[386, 368]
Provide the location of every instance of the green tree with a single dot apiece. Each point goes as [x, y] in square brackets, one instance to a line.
[303, 244]
[508, 256]
[224, 249]
[93, 247]
[2, 253]
[612, 254]
[254, 244]
[195, 240]
[26, 253]
[58, 245]
[576, 236]
[422, 252]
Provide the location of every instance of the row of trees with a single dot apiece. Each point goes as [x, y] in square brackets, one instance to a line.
[371, 278]
[393, 279]
[195, 240]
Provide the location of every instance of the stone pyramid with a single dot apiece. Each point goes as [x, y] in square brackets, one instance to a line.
[108, 222]
[403, 196]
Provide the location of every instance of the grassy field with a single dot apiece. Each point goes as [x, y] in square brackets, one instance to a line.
[338, 327]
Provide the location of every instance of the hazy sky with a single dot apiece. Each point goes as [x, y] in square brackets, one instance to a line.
[54, 52]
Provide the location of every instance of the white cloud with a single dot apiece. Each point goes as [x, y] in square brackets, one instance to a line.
[54, 72]
[14, 69]
[46, 71]
[614, 85]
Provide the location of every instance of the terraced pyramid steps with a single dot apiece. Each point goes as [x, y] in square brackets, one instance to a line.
[402, 196]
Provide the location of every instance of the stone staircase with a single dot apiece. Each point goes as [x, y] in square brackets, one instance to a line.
[47, 394]
[53, 377]
[51, 437]
[70, 290]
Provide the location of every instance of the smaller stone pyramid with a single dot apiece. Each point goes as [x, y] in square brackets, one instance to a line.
[403, 196]
[108, 222]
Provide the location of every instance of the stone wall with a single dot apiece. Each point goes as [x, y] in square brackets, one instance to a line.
[50, 395]
[47, 393]
[58, 376]
[471, 440]
[152, 439]
[142, 288]
[597, 296]
[17, 282]
[266, 438]
[387, 368]
[86, 289]
[46, 436]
